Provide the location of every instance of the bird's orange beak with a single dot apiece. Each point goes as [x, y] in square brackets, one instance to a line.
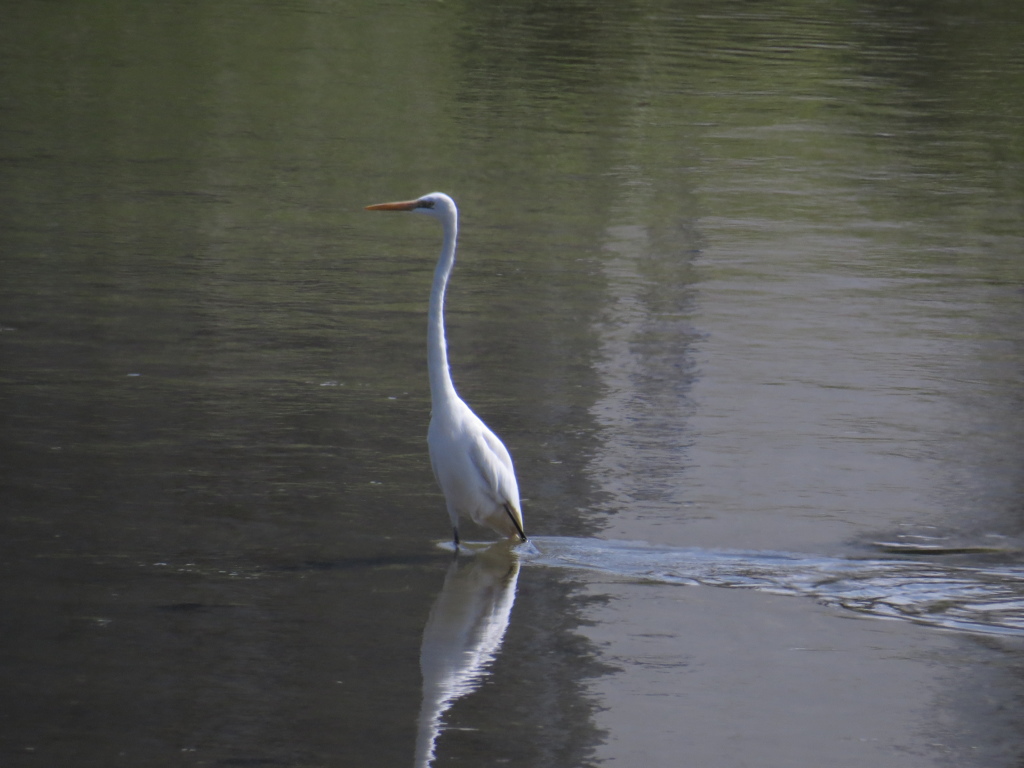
[407, 205]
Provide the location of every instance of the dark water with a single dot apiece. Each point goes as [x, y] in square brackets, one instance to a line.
[733, 277]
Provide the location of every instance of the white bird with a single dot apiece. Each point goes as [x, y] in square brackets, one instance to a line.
[470, 463]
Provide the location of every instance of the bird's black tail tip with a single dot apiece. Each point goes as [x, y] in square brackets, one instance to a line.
[515, 522]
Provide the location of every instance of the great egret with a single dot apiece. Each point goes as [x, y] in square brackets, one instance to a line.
[471, 464]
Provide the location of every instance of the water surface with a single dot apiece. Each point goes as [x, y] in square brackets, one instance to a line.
[732, 279]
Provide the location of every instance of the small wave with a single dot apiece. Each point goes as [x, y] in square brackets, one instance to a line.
[988, 600]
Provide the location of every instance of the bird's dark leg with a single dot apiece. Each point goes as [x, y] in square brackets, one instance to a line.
[519, 528]
[455, 536]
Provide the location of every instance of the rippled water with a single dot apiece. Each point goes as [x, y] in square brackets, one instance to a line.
[468, 621]
[982, 599]
[734, 279]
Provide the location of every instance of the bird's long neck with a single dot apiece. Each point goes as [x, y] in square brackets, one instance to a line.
[442, 389]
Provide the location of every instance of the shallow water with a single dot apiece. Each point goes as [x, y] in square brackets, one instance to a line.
[740, 282]
[972, 598]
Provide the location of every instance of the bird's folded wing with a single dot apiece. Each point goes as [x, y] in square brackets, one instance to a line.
[491, 459]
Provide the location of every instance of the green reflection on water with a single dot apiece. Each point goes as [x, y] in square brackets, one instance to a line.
[181, 199]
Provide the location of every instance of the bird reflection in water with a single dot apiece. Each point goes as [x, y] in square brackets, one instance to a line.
[463, 636]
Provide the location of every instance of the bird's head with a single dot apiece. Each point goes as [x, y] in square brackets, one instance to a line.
[436, 204]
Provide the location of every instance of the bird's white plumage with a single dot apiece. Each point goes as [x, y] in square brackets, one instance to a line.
[472, 466]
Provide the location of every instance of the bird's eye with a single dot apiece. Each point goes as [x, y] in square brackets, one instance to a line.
[425, 204]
